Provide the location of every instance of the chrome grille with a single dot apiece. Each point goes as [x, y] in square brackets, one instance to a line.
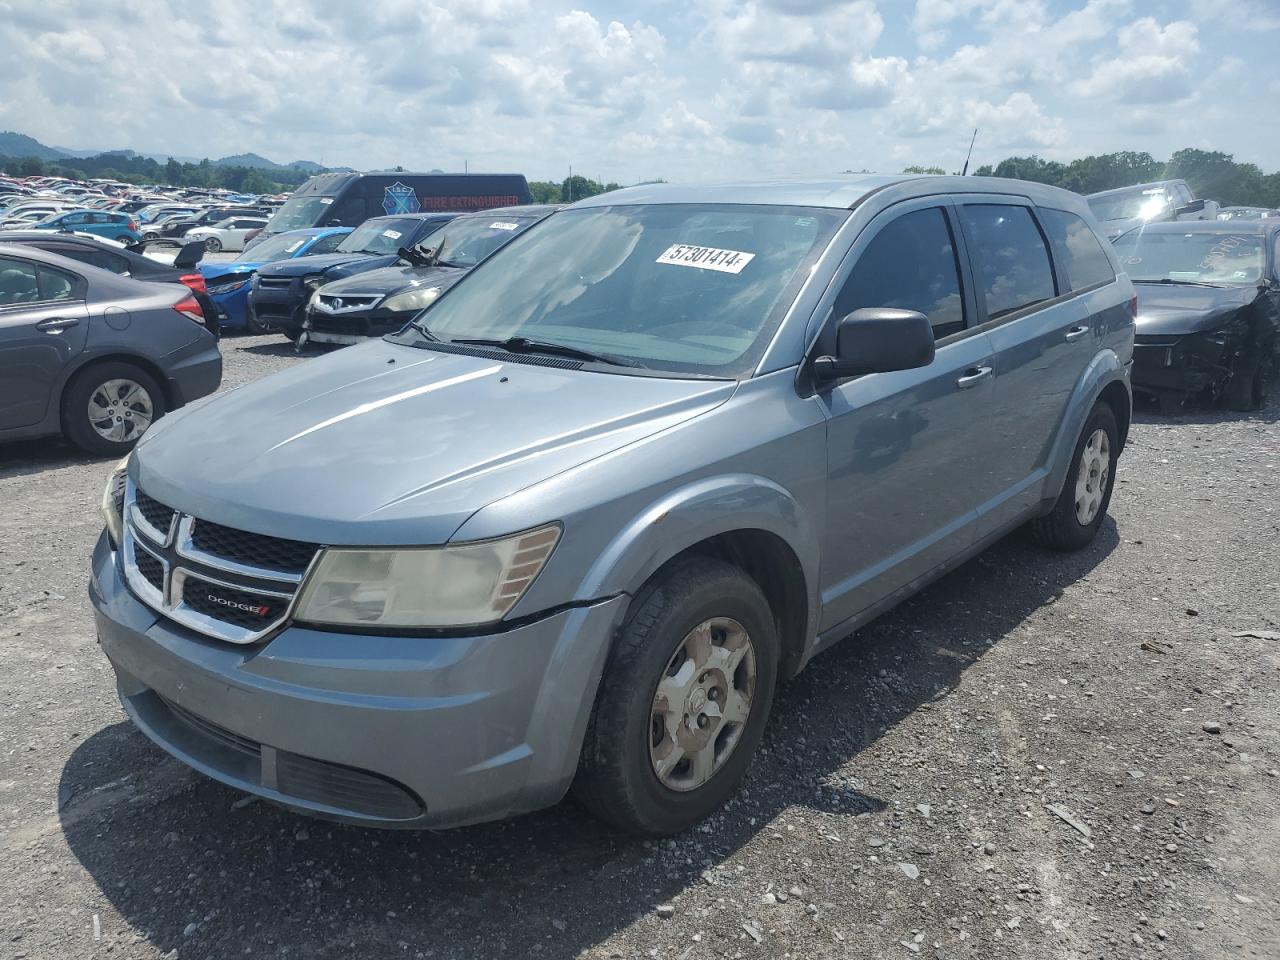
[229, 584]
[274, 283]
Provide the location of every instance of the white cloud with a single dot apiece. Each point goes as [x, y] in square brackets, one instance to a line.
[1154, 65]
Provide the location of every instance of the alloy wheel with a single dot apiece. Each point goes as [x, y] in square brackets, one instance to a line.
[702, 703]
[120, 410]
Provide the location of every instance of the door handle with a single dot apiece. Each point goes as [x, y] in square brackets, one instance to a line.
[56, 325]
[1075, 333]
[972, 377]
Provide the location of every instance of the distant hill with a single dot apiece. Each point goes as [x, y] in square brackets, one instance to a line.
[20, 145]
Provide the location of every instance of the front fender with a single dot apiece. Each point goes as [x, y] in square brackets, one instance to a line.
[696, 512]
[1105, 369]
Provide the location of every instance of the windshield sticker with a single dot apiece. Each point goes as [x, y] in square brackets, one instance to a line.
[294, 246]
[391, 234]
[1219, 251]
[504, 225]
[399, 198]
[325, 201]
[706, 258]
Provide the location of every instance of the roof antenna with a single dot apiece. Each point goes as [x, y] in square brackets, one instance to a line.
[965, 171]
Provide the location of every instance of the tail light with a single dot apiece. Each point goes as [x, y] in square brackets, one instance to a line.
[195, 281]
[133, 224]
[1133, 306]
[190, 308]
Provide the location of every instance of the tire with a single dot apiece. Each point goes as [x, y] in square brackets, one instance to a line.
[617, 778]
[1065, 527]
[1250, 379]
[125, 239]
[213, 245]
[105, 381]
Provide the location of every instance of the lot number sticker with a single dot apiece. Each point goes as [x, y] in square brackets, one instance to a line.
[503, 225]
[706, 258]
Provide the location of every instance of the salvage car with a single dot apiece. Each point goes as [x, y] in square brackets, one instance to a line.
[229, 282]
[572, 526]
[280, 291]
[95, 356]
[1208, 310]
[1247, 213]
[381, 301]
[1124, 208]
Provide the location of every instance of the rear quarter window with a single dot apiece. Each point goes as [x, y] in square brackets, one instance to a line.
[1081, 258]
[1011, 262]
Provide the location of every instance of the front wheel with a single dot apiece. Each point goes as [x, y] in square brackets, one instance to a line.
[213, 245]
[108, 406]
[683, 702]
[1081, 507]
[1250, 379]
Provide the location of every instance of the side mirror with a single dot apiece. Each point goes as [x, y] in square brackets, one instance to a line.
[878, 340]
[1195, 206]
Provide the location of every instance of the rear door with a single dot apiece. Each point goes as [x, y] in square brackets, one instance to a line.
[902, 465]
[1042, 338]
[43, 325]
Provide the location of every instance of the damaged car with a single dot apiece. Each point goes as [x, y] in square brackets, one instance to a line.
[1208, 310]
[381, 301]
[1124, 208]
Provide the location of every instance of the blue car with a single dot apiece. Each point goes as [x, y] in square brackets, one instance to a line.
[228, 282]
[101, 223]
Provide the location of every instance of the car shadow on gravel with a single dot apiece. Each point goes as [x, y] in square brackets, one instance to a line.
[22, 458]
[194, 866]
[284, 348]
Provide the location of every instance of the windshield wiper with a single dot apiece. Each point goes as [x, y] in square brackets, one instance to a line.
[525, 345]
[422, 329]
[1185, 283]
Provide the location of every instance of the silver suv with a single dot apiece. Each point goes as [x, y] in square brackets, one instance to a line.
[573, 525]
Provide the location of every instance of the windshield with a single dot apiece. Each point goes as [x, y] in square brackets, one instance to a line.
[380, 237]
[468, 240]
[299, 213]
[280, 247]
[696, 288]
[1218, 258]
[1146, 204]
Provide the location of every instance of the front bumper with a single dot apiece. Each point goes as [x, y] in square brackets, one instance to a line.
[1190, 364]
[378, 730]
[279, 303]
[353, 326]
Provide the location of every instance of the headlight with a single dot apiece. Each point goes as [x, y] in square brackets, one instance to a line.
[453, 586]
[411, 299]
[113, 501]
[227, 287]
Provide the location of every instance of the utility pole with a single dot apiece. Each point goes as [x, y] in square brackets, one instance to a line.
[570, 183]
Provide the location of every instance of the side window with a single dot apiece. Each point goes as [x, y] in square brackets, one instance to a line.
[1009, 257]
[18, 282]
[910, 264]
[326, 244]
[109, 261]
[76, 219]
[54, 284]
[1077, 250]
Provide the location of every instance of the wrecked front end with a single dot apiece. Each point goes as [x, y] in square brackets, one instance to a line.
[1185, 354]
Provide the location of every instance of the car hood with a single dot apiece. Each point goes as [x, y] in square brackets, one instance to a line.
[324, 263]
[1176, 310]
[387, 280]
[389, 444]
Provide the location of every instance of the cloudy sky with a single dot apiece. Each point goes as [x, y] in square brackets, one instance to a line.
[637, 89]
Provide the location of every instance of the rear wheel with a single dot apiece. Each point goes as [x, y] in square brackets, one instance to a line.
[125, 239]
[1082, 506]
[108, 406]
[683, 702]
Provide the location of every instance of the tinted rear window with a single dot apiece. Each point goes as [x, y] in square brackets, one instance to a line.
[1010, 258]
[1079, 253]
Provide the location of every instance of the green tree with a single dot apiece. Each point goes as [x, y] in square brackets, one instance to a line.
[914, 168]
[543, 191]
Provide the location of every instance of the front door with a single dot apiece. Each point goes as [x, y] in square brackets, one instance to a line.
[901, 457]
[43, 325]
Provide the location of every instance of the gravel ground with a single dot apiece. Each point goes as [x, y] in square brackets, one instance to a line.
[1041, 756]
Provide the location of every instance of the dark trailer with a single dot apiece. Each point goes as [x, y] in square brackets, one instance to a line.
[349, 199]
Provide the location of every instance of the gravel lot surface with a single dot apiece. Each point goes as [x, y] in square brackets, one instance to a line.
[1041, 756]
